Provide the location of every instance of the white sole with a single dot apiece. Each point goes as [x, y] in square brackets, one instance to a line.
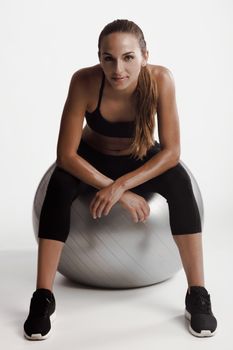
[38, 336]
[204, 332]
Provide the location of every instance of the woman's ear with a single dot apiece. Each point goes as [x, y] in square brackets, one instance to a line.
[145, 58]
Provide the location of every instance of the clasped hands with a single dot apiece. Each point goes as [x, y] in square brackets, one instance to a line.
[105, 198]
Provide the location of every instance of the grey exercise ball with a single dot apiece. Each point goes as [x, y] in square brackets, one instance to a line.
[113, 251]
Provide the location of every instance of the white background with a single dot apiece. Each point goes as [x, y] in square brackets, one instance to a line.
[44, 42]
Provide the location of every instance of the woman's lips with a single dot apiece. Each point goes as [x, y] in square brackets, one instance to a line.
[120, 79]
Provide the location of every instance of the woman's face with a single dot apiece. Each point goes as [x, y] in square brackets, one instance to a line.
[121, 57]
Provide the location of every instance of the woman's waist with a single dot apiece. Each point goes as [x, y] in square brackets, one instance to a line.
[88, 152]
[106, 145]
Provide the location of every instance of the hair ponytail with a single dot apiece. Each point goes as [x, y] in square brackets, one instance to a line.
[146, 105]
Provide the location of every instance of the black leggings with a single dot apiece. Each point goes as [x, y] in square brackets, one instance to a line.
[174, 184]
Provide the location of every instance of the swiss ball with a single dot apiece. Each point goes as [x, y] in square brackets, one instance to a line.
[113, 251]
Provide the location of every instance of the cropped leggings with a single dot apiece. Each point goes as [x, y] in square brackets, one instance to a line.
[174, 184]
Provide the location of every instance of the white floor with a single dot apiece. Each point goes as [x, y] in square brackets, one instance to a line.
[142, 318]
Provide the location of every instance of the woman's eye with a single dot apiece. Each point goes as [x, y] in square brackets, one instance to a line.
[109, 58]
[131, 57]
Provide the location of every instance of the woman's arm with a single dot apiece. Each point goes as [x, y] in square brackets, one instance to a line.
[169, 135]
[71, 131]
[80, 168]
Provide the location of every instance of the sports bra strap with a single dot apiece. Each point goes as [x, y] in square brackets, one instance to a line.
[101, 90]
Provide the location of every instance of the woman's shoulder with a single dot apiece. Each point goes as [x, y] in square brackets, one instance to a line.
[163, 77]
[87, 80]
[88, 74]
[159, 71]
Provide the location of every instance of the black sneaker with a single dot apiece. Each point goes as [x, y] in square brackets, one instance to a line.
[42, 311]
[198, 312]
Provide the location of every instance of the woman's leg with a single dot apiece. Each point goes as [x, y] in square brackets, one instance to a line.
[175, 185]
[189, 241]
[53, 230]
[191, 253]
[49, 252]
[54, 223]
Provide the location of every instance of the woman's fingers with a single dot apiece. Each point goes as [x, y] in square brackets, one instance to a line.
[97, 208]
[146, 211]
[101, 206]
[140, 214]
[134, 215]
[94, 205]
[100, 209]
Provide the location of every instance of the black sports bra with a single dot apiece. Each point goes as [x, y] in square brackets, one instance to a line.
[99, 124]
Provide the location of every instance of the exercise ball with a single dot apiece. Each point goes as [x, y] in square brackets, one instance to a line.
[113, 251]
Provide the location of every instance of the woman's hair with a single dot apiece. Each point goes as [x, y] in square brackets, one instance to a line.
[145, 92]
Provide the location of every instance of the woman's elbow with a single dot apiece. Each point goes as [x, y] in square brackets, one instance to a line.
[175, 157]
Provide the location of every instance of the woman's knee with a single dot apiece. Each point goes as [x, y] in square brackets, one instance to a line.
[177, 182]
[61, 179]
[55, 211]
[62, 184]
[183, 208]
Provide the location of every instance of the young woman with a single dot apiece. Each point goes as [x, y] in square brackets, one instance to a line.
[116, 155]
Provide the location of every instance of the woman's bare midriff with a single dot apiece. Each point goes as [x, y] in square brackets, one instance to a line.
[105, 144]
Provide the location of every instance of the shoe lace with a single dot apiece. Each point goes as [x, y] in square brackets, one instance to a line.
[202, 302]
[40, 306]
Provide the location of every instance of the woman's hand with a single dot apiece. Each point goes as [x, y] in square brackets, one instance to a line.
[104, 199]
[136, 205]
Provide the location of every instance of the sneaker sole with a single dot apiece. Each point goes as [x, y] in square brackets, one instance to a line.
[39, 336]
[204, 332]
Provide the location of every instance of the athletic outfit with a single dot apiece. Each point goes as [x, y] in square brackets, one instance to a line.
[174, 184]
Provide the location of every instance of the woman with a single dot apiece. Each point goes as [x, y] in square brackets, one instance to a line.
[116, 155]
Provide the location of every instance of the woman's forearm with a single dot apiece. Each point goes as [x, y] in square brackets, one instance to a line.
[80, 168]
[158, 164]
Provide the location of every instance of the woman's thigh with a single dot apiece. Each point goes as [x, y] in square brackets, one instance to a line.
[62, 189]
[176, 186]
[173, 182]
[64, 186]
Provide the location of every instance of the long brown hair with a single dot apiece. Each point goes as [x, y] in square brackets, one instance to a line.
[145, 92]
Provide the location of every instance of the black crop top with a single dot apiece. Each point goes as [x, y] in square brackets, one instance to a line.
[99, 124]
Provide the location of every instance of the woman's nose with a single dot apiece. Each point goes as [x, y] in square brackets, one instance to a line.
[118, 67]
